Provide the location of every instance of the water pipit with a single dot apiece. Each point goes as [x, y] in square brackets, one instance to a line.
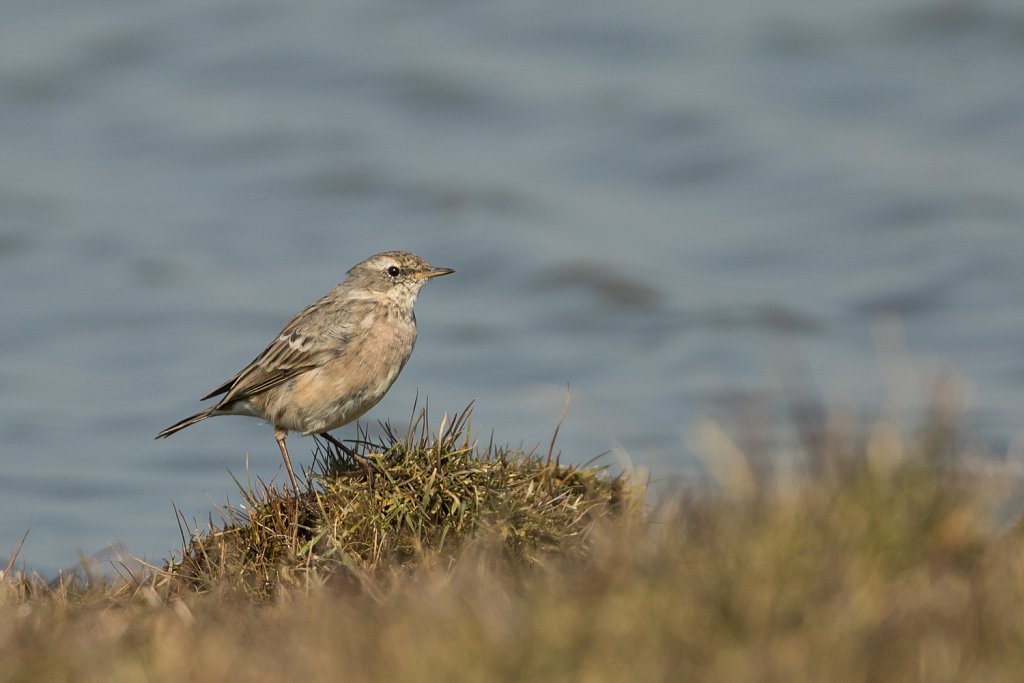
[334, 360]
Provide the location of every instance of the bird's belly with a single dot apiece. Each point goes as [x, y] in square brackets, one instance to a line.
[328, 416]
[334, 394]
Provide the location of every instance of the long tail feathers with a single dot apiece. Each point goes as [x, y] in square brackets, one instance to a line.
[187, 422]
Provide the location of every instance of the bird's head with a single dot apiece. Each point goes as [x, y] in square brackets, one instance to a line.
[395, 275]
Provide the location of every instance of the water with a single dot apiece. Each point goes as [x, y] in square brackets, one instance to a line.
[660, 203]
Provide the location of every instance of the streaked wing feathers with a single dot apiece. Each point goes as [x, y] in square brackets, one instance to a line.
[294, 352]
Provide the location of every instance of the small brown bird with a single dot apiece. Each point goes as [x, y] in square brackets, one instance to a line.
[334, 360]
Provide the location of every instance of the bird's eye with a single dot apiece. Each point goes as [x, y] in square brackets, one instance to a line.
[393, 271]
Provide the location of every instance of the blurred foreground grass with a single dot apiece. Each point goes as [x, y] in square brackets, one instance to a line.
[877, 559]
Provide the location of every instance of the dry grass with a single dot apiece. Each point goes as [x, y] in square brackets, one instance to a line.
[882, 565]
[433, 494]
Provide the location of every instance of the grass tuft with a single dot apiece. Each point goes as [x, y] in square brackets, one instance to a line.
[434, 492]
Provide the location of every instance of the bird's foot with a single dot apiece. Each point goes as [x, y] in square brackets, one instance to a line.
[368, 466]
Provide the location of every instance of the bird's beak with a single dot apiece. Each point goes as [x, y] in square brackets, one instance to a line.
[430, 272]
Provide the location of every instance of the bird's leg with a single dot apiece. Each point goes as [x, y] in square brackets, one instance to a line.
[362, 460]
[281, 435]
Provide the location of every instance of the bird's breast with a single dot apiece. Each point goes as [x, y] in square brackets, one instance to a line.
[350, 383]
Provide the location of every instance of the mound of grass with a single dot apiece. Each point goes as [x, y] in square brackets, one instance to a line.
[433, 494]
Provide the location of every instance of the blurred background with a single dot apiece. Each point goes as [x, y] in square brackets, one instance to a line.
[670, 205]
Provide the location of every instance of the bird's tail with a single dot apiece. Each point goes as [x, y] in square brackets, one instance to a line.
[187, 422]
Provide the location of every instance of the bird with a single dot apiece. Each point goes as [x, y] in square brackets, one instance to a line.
[334, 360]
